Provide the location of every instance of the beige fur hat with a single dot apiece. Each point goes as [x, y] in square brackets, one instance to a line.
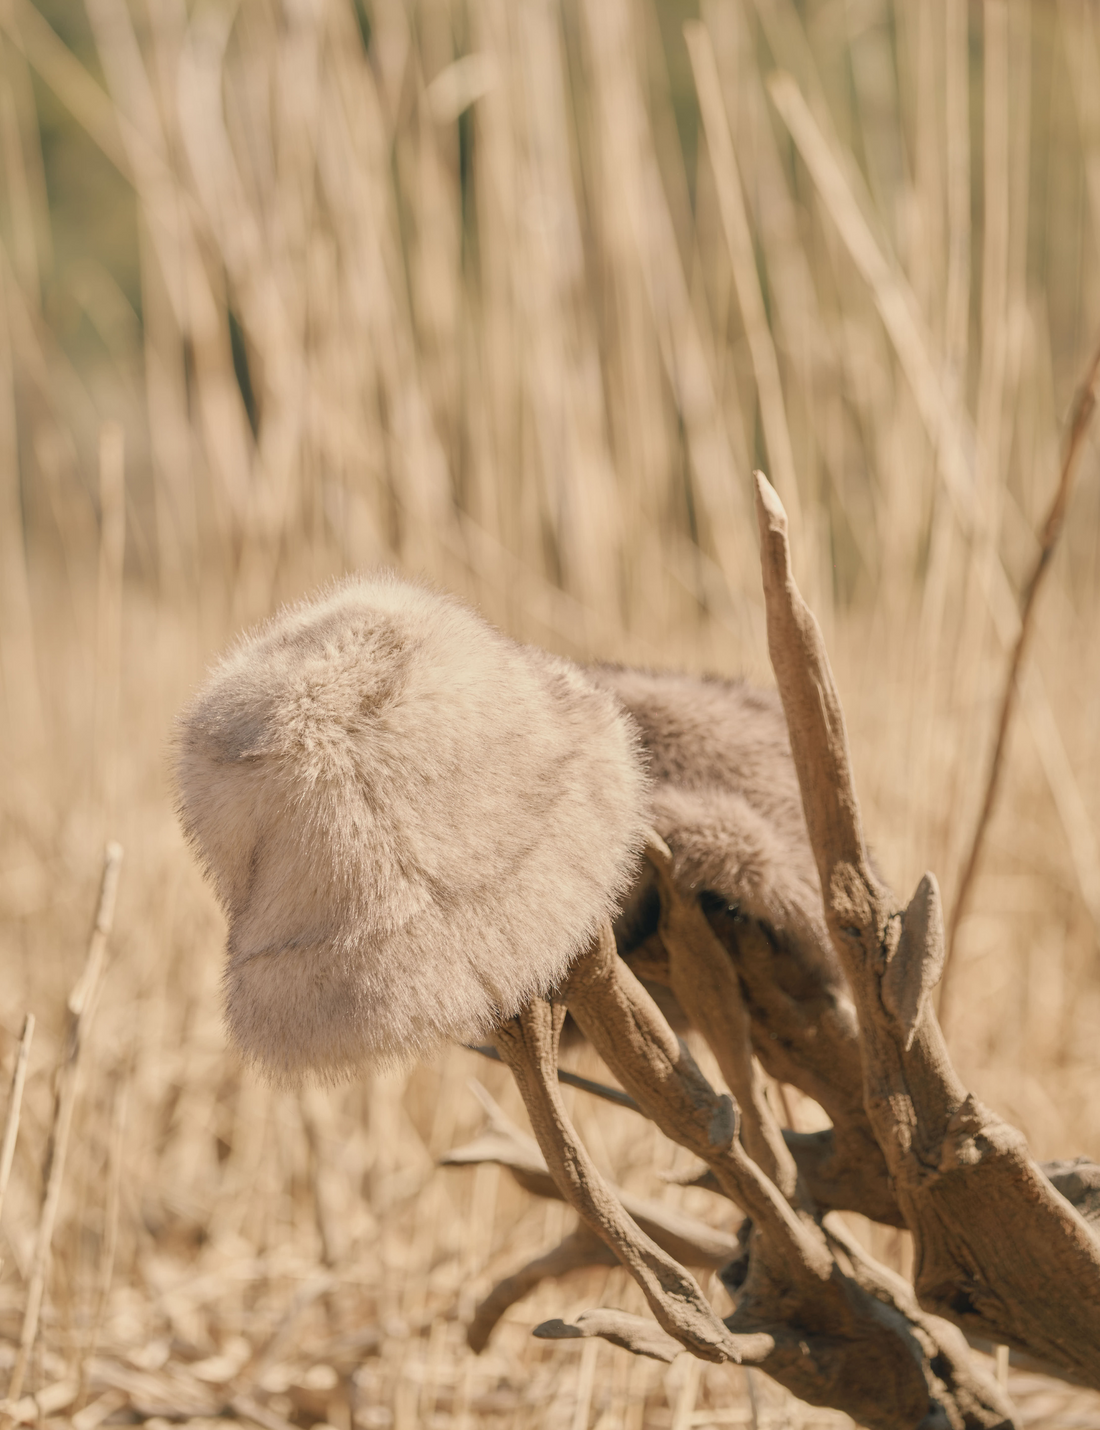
[413, 824]
[724, 795]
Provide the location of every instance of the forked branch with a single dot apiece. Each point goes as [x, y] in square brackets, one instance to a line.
[998, 1250]
[693, 1243]
[529, 1044]
[831, 1341]
[831, 1336]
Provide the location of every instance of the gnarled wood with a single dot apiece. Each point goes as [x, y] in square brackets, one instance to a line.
[1078, 1180]
[706, 987]
[580, 1249]
[529, 1044]
[833, 1342]
[689, 1240]
[803, 1041]
[630, 1333]
[693, 1243]
[642, 1337]
[998, 1250]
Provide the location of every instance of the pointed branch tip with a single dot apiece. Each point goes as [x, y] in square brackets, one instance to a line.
[768, 505]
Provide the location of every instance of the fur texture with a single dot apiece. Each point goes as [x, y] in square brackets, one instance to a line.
[413, 824]
[725, 798]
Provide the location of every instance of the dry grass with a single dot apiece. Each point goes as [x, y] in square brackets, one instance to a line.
[473, 301]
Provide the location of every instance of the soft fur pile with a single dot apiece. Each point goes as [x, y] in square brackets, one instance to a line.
[413, 824]
[725, 798]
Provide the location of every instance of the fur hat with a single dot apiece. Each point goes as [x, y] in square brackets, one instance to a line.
[726, 800]
[413, 824]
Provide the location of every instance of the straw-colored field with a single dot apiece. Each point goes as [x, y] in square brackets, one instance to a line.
[465, 287]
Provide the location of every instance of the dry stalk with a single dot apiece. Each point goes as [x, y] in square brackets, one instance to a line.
[735, 223]
[570, 1079]
[81, 1005]
[56, 65]
[110, 1241]
[897, 306]
[15, 1104]
[112, 553]
[957, 115]
[1081, 417]
[328, 1223]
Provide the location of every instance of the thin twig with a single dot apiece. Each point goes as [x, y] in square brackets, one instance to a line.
[112, 555]
[571, 1079]
[1083, 409]
[15, 1103]
[80, 1006]
[110, 1243]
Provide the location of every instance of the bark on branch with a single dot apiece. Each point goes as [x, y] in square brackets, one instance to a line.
[832, 1340]
[693, 1243]
[998, 1250]
[529, 1044]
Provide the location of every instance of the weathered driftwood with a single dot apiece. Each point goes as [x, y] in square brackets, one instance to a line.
[811, 1307]
[529, 1043]
[691, 1242]
[629, 1333]
[833, 1340]
[842, 1166]
[997, 1249]
[1078, 1180]
[801, 1316]
[725, 800]
[705, 983]
[420, 830]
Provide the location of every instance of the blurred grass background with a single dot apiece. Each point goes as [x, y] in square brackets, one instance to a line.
[478, 289]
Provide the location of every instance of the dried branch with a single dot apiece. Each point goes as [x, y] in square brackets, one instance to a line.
[691, 1242]
[1080, 419]
[841, 1166]
[1078, 1180]
[628, 1031]
[15, 1103]
[630, 1333]
[997, 1248]
[848, 1344]
[802, 1037]
[642, 1337]
[571, 1079]
[528, 1043]
[581, 1248]
[705, 984]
